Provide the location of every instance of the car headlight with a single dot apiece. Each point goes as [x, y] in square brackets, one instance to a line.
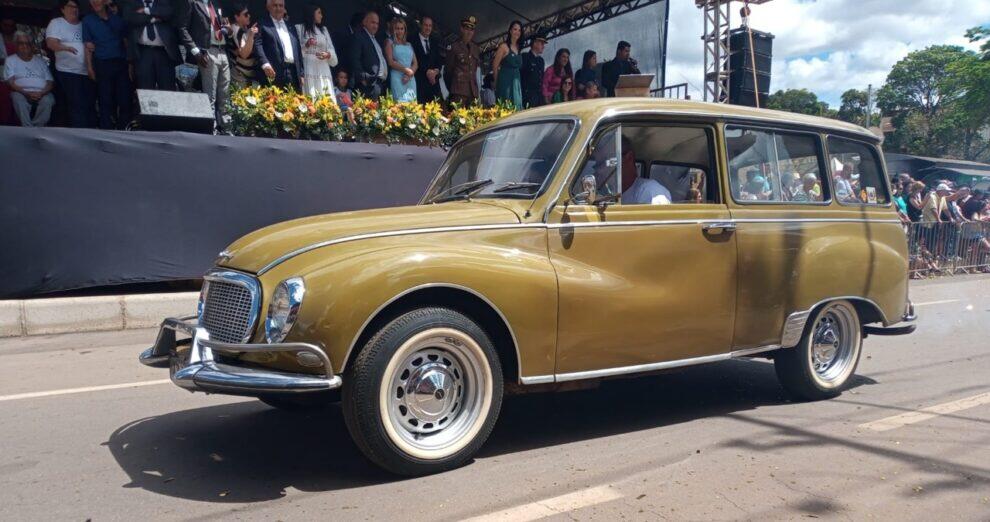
[283, 309]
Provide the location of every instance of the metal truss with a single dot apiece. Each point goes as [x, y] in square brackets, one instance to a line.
[716, 38]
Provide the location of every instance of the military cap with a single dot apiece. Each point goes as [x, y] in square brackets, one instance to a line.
[469, 22]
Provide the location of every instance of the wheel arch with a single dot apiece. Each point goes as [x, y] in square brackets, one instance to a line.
[457, 297]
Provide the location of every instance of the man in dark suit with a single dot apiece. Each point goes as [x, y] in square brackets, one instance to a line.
[202, 31]
[427, 49]
[342, 40]
[367, 61]
[279, 55]
[531, 73]
[152, 44]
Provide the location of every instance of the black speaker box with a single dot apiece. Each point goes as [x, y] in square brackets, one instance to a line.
[744, 80]
[748, 98]
[743, 60]
[175, 111]
[762, 42]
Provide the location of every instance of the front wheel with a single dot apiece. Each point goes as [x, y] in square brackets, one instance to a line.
[822, 364]
[423, 394]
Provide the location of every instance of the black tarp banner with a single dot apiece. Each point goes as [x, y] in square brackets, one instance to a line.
[88, 208]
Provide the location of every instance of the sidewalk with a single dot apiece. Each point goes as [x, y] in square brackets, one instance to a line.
[87, 314]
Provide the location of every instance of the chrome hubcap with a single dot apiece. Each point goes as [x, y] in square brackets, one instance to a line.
[436, 393]
[834, 344]
[427, 391]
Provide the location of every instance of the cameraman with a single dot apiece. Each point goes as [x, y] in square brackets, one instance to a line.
[621, 64]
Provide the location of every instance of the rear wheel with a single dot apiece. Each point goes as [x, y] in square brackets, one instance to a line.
[423, 394]
[822, 364]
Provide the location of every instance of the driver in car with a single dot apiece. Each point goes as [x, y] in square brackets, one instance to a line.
[637, 190]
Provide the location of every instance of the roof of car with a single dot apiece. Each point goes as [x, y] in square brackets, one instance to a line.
[592, 110]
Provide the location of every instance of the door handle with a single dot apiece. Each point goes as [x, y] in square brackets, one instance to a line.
[719, 228]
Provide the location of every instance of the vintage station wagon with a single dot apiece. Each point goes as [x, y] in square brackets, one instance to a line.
[574, 242]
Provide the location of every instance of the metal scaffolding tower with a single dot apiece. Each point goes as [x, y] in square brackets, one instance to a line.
[716, 37]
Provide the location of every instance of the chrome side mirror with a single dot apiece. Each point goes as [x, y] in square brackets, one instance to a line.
[589, 190]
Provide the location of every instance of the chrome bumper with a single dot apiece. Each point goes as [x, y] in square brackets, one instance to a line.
[200, 372]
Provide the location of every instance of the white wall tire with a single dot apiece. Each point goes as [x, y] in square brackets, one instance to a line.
[424, 393]
[825, 360]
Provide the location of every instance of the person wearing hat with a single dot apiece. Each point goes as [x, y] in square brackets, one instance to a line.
[463, 60]
[531, 73]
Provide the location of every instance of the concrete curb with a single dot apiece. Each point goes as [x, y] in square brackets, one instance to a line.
[89, 314]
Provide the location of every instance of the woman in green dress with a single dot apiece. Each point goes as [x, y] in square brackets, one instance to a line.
[505, 66]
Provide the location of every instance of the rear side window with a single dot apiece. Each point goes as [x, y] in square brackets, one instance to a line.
[856, 173]
[770, 166]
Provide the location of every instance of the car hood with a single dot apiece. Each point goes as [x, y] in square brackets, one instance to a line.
[263, 247]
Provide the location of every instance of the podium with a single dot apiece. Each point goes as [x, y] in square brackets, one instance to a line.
[636, 85]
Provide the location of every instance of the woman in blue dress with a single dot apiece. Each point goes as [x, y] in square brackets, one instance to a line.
[402, 62]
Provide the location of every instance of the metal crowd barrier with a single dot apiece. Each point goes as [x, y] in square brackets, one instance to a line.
[948, 248]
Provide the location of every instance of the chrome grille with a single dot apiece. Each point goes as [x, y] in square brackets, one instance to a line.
[228, 310]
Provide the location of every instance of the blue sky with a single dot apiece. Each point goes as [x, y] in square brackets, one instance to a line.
[827, 46]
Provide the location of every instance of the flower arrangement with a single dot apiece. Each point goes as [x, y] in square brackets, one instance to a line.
[279, 113]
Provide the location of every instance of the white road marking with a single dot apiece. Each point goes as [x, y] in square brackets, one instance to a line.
[553, 506]
[924, 414]
[937, 302]
[69, 391]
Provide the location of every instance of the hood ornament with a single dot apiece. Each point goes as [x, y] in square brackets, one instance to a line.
[224, 256]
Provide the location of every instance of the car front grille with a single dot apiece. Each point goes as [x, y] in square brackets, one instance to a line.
[230, 308]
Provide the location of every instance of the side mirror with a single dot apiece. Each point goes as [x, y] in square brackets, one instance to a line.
[589, 190]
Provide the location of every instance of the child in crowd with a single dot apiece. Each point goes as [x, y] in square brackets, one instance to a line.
[345, 100]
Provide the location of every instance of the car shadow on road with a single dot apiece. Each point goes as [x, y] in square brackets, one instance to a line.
[249, 452]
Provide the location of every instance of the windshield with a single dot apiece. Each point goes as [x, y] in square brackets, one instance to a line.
[512, 162]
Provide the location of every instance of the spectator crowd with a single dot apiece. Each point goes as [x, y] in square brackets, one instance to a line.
[83, 69]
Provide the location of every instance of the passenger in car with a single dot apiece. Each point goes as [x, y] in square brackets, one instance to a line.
[810, 190]
[637, 190]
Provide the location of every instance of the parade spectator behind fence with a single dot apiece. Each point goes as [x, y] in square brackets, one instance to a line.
[623, 63]
[555, 74]
[278, 50]
[506, 65]
[368, 67]
[64, 38]
[916, 201]
[531, 73]
[203, 33]
[240, 48]
[318, 53]
[402, 63]
[427, 47]
[106, 61]
[587, 73]
[152, 43]
[31, 83]
[461, 69]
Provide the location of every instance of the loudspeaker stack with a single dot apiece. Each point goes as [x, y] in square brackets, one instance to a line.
[742, 88]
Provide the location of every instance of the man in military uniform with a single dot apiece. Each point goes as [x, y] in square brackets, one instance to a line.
[463, 60]
[531, 73]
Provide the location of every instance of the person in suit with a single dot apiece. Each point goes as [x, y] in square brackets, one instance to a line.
[202, 30]
[152, 43]
[463, 60]
[367, 60]
[276, 48]
[342, 39]
[427, 49]
[531, 73]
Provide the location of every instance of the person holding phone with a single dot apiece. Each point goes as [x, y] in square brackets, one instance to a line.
[240, 48]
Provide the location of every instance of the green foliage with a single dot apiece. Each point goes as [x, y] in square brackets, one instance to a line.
[801, 101]
[981, 33]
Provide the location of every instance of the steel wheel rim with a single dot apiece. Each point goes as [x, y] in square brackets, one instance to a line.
[834, 343]
[435, 393]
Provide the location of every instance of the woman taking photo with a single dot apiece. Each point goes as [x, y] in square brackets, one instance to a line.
[402, 62]
[555, 74]
[318, 53]
[506, 64]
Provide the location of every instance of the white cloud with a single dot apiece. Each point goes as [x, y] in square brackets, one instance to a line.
[829, 46]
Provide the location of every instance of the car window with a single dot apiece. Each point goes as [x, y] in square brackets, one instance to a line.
[601, 167]
[856, 173]
[774, 166]
[680, 165]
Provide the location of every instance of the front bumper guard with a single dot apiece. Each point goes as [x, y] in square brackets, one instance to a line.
[202, 373]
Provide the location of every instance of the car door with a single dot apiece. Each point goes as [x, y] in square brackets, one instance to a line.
[642, 285]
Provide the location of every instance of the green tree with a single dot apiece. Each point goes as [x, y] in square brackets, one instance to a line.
[922, 94]
[801, 101]
[855, 106]
[981, 33]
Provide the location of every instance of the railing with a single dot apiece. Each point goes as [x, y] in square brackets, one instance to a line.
[678, 91]
[948, 248]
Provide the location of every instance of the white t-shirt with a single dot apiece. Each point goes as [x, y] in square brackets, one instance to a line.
[70, 35]
[646, 192]
[30, 76]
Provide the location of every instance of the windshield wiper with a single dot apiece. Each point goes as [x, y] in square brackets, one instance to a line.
[512, 185]
[462, 191]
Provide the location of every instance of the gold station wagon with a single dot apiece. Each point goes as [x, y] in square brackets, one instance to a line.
[566, 243]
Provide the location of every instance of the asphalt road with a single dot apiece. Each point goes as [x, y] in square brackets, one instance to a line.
[713, 442]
